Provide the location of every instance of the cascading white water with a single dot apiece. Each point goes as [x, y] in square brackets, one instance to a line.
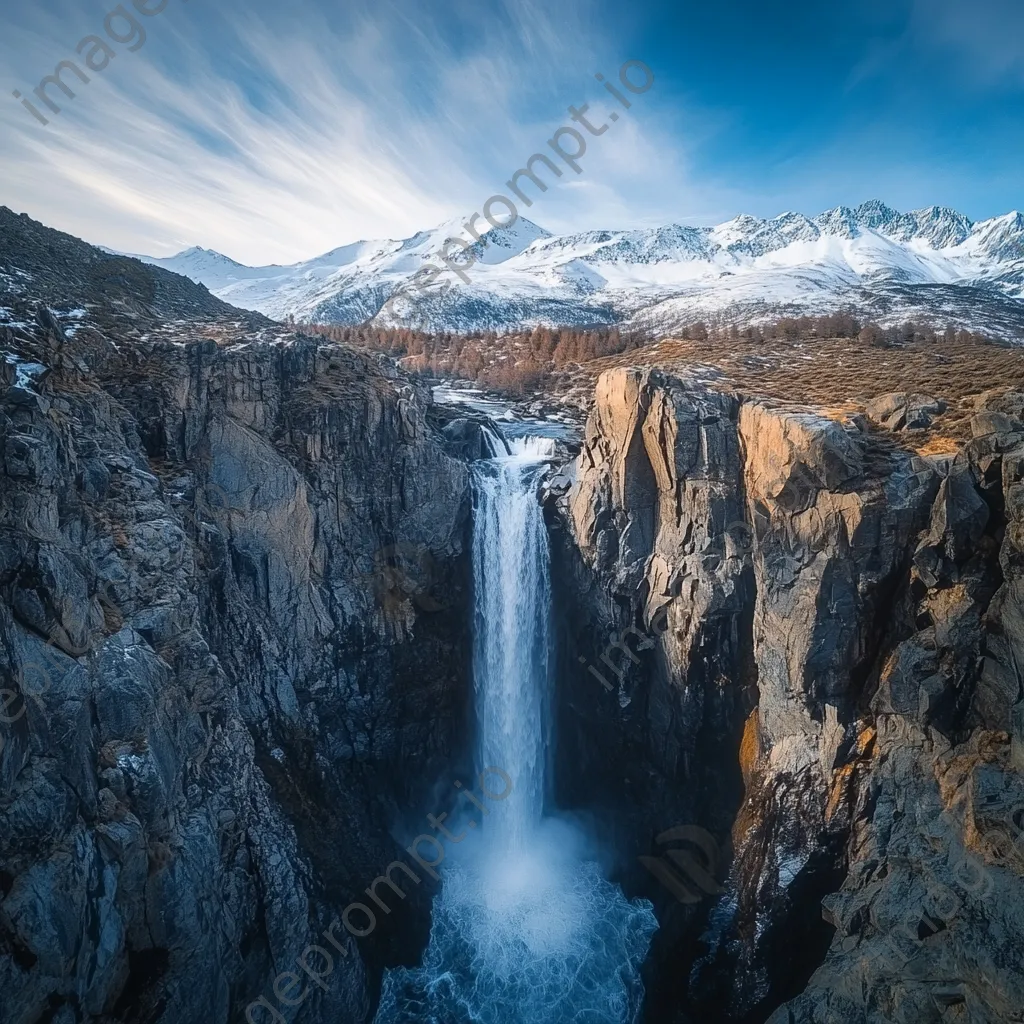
[526, 929]
[511, 579]
[495, 444]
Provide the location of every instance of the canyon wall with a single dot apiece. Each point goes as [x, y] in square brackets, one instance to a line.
[233, 655]
[789, 630]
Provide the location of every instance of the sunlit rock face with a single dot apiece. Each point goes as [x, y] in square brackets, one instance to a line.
[233, 622]
[825, 631]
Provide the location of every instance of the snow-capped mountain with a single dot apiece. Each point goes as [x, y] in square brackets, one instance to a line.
[932, 264]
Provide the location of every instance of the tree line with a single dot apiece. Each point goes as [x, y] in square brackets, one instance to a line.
[516, 363]
[833, 325]
[520, 362]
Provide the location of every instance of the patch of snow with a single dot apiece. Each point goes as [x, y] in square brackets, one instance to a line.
[25, 372]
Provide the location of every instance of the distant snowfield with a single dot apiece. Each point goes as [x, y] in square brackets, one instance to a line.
[932, 264]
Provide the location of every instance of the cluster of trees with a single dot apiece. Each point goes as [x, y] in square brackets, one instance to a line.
[909, 332]
[520, 362]
[835, 325]
[516, 363]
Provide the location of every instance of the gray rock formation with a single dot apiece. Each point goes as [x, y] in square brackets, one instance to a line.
[840, 622]
[233, 592]
[903, 411]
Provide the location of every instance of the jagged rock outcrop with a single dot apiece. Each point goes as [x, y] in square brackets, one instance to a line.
[654, 599]
[854, 657]
[930, 917]
[233, 592]
[903, 411]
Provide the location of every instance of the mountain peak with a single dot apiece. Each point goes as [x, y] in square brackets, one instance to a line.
[941, 226]
[496, 245]
[875, 214]
[870, 258]
[840, 221]
[197, 254]
[198, 250]
[938, 226]
[1002, 238]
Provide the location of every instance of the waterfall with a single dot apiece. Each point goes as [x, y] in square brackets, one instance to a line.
[526, 928]
[496, 444]
[511, 580]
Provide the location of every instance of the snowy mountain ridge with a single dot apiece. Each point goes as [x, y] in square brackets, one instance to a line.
[932, 264]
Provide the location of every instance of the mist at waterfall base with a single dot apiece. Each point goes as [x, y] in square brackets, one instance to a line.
[526, 929]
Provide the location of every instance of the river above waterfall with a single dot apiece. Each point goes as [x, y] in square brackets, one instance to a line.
[515, 422]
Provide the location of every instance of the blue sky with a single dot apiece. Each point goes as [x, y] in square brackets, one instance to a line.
[273, 132]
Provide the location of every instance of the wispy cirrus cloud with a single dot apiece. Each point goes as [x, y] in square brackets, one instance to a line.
[275, 134]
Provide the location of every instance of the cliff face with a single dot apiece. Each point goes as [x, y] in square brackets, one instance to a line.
[234, 592]
[823, 634]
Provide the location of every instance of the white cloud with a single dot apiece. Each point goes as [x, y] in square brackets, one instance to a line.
[274, 135]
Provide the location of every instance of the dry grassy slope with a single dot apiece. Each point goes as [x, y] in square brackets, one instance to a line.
[839, 376]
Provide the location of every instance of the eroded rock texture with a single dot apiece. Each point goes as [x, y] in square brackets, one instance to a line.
[234, 591]
[824, 635]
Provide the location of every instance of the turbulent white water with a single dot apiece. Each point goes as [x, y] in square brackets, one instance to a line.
[526, 930]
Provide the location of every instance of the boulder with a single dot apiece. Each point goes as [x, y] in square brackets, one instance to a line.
[901, 410]
[471, 439]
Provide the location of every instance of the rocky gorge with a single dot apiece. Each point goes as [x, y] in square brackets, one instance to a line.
[235, 615]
